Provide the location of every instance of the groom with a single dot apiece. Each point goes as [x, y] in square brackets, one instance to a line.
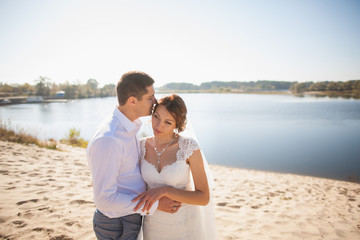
[113, 158]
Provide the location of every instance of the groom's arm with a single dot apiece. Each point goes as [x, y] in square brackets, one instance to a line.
[104, 159]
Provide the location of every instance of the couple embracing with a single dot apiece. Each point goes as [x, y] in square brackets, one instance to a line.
[160, 183]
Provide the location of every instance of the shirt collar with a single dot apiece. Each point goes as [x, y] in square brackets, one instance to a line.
[128, 125]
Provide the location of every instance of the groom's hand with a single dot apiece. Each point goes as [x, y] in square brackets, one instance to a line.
[168, 205]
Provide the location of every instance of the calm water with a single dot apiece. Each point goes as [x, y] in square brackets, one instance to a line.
[310, 136]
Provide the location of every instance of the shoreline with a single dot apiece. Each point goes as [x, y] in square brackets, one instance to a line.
[47, 194]
[317, 94]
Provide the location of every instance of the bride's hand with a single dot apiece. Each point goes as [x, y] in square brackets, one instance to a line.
[148, 198]
[168, 205]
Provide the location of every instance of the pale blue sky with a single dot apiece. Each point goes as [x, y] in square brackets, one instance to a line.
[180, 41]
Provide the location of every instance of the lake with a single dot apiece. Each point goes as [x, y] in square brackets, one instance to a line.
[281, 133]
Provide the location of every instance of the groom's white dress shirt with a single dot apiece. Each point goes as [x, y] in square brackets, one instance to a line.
[113, 158]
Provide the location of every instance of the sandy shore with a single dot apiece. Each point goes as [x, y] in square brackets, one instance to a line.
[47, 194]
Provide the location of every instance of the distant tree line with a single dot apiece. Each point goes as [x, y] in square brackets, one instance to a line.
[347, 89]
[229, 86]
[44, 87]
[325, 86]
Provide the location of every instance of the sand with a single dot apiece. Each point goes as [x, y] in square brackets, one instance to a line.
[47, 194]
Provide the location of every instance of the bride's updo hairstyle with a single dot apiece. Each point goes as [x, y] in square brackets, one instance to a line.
[176, 107]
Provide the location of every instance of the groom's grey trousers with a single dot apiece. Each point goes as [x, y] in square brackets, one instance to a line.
[122, 228]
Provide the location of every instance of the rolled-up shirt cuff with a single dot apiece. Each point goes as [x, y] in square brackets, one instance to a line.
[152, 209]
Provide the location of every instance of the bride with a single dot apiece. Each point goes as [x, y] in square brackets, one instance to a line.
[173, 166]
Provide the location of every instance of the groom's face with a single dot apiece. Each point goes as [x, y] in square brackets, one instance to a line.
[146, 104]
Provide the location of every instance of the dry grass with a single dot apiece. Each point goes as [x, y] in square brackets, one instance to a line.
[19, 135]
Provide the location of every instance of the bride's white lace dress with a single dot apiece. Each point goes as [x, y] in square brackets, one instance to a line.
[188, 222]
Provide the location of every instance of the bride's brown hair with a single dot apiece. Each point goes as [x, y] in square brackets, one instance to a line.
[176, 107]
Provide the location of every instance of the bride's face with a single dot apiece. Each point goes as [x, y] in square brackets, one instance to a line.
[163, 123]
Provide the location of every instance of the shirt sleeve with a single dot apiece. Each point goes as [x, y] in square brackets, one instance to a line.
[105, 156]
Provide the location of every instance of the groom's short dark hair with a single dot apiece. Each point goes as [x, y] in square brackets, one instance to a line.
[133, 84]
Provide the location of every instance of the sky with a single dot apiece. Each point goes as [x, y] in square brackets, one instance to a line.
[179, 41]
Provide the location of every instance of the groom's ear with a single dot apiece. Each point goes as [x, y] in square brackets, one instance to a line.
[132, 100]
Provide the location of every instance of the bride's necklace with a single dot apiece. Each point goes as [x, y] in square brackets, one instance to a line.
[159, 153]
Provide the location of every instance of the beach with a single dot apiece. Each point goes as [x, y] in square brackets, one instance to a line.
[47, 194]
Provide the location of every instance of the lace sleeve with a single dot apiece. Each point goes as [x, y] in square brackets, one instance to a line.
[187, 147]
[142, 147]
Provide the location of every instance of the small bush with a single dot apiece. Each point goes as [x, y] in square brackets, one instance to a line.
[73, 138]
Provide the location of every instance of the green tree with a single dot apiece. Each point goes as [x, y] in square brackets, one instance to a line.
[318, 86]
[298, 87]
[108, 90]
[334, 86]
[42, 87]
[53, 89]
[70, 90]
[347, 86]
[92, 86]
[180, 86]
[27, 89]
